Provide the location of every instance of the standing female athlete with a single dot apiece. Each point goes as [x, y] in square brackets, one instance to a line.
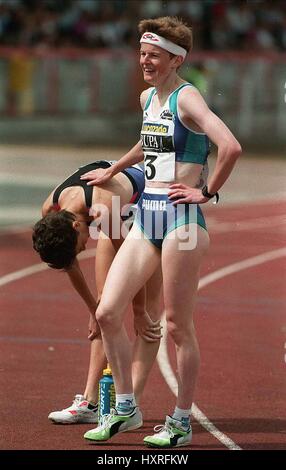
[169, 228]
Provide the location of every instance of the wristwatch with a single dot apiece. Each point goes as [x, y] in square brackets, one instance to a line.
[205, 193]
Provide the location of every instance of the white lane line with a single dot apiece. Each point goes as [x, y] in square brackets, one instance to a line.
[11, 277]
[240, 265]
[169, 376]
[163, 359]
[36, 268]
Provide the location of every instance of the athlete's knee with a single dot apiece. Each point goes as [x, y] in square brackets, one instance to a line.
[174, 331]
[178, 330]
[106, 317]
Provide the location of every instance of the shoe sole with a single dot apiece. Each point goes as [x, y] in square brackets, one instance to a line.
[148, 444]
[54, 421]
[136, 426]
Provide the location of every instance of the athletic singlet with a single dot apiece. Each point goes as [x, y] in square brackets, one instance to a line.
[166, 140]
[134, 174]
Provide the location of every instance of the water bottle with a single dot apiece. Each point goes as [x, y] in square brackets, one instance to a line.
[106, 393]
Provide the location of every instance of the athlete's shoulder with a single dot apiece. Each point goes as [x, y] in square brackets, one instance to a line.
[191, 101]
[144, 96]
[187, 89]
[48, 205]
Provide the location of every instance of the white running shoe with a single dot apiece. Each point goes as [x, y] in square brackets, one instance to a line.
[170, 434]
[81, 411]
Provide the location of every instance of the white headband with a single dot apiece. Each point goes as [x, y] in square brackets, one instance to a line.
[152, 38]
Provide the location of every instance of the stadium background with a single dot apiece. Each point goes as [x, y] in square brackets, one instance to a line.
[69, 77]
[69, 88]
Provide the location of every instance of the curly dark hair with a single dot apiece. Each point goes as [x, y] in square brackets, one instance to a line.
[55, 239]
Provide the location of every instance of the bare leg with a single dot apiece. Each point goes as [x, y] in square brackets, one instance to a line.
[145, 353]
[97, 363]
[124, 280]
[180, 283]
[104, 256]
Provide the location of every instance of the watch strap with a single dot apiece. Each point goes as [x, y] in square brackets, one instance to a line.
[205, 193]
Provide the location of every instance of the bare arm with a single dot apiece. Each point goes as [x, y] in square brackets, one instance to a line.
[193, 108]
[100, 176]
[135, 155]
[79, 283]
[229, 148]
[48, 205]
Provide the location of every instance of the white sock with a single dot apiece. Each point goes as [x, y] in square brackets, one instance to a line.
[182, 415]
[124, 403]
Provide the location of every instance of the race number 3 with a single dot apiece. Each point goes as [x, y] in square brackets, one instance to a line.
[150, 170]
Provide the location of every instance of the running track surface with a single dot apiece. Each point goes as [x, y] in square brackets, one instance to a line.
[241, 331]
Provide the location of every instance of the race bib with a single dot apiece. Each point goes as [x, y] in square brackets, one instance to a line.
[159, 166]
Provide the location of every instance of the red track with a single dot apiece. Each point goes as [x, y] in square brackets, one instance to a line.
[240, 326]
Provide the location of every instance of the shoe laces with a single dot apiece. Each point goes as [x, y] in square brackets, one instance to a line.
[105, 419]
[77, 400]
[164, 427]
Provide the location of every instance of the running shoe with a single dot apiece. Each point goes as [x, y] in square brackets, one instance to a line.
[81, 411]
[170, 434]
[113, 423]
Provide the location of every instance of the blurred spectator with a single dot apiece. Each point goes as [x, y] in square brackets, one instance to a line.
[151, 8]
[218, 24]
[264, 38]
[20, 82]
[241, 20]
[197, 75]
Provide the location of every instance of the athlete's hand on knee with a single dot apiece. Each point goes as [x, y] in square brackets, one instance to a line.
[99, 176]
[183, 194]
[148, 329]
[93, 327]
